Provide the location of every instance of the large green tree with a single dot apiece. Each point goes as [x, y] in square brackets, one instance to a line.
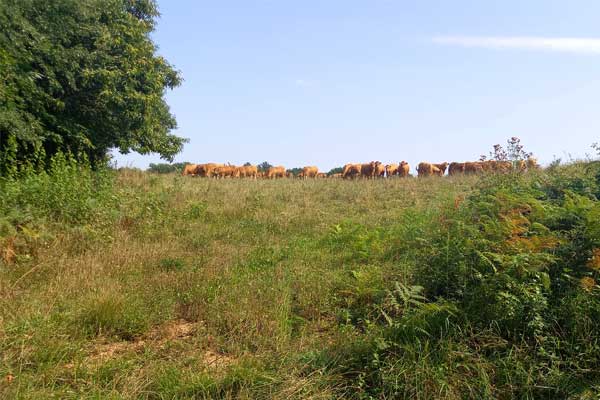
[82, 76]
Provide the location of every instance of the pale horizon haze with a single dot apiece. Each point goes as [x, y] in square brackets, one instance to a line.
[324, 83]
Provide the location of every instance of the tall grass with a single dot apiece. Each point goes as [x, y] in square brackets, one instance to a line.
[133, 285]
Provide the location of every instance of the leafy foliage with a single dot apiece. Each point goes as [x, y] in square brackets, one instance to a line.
[164, 168]
[51, 195]
[336, 170]
[294, 171]
[264, 166]
[519, 259]
[82, 77]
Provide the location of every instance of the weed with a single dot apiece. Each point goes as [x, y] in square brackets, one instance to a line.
[171, 264]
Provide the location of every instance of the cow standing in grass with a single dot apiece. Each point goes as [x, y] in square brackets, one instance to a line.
[351, 171]
[391, 170]
[189, 169]
[403, 169]
[371, 170]
[276, 172]
[308, 172]
[456, 168]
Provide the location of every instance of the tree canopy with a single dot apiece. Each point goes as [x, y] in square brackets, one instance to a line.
[264, 166]
[82, 76]
[336, 170]
[294, 171]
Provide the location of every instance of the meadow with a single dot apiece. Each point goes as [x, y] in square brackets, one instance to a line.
[131, 285]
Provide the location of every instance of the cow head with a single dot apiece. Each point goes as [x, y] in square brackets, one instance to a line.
[201, 170]
[532, 163]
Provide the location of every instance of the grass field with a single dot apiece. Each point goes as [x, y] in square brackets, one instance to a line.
[133, 285]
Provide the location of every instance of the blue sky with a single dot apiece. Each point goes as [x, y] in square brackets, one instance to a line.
[325, 82]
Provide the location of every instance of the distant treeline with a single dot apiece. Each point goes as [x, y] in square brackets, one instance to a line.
[165, 168]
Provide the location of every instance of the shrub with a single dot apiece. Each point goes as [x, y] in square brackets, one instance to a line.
[519, 259]
[69, 192]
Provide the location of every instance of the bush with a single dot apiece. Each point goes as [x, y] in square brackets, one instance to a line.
[69, 192]
[69, 196]
[519, 259]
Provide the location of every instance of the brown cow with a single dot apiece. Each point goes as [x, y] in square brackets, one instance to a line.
[308, 172]
[490, 165]
[403, 169]
[367, 169]
[225, 171]
[474, 167]
[321, 175]
[351, 171]
[441, 168]
[251, 171]
[207, 170]
[427, 169]
[336, 175]
[379, 170]
[424, 169]
[391, 170]
[246, 171]
[503, 166]
[456, 168]
[276, 172]
[372, 169]
[532, 163]
[189, 169]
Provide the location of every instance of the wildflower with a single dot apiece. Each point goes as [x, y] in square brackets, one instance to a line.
[587, 283]
[594, 262]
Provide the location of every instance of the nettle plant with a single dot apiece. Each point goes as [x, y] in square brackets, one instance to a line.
[514, 151]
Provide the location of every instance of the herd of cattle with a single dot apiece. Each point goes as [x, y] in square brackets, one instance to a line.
[373, 169]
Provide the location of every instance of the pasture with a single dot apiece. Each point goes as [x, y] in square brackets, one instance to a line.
[135, 285]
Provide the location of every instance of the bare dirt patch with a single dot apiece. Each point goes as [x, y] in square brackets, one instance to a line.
[157, 339]
[215, 360]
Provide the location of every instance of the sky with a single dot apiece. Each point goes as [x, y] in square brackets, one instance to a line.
[327, 82]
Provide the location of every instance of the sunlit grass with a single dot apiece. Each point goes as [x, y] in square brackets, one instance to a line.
[199, 288]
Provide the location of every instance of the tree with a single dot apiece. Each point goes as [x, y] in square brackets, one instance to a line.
[294, 171]
[264, 166]
[164, 168]
[337, 170]
[596, 146]
[82, 76]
